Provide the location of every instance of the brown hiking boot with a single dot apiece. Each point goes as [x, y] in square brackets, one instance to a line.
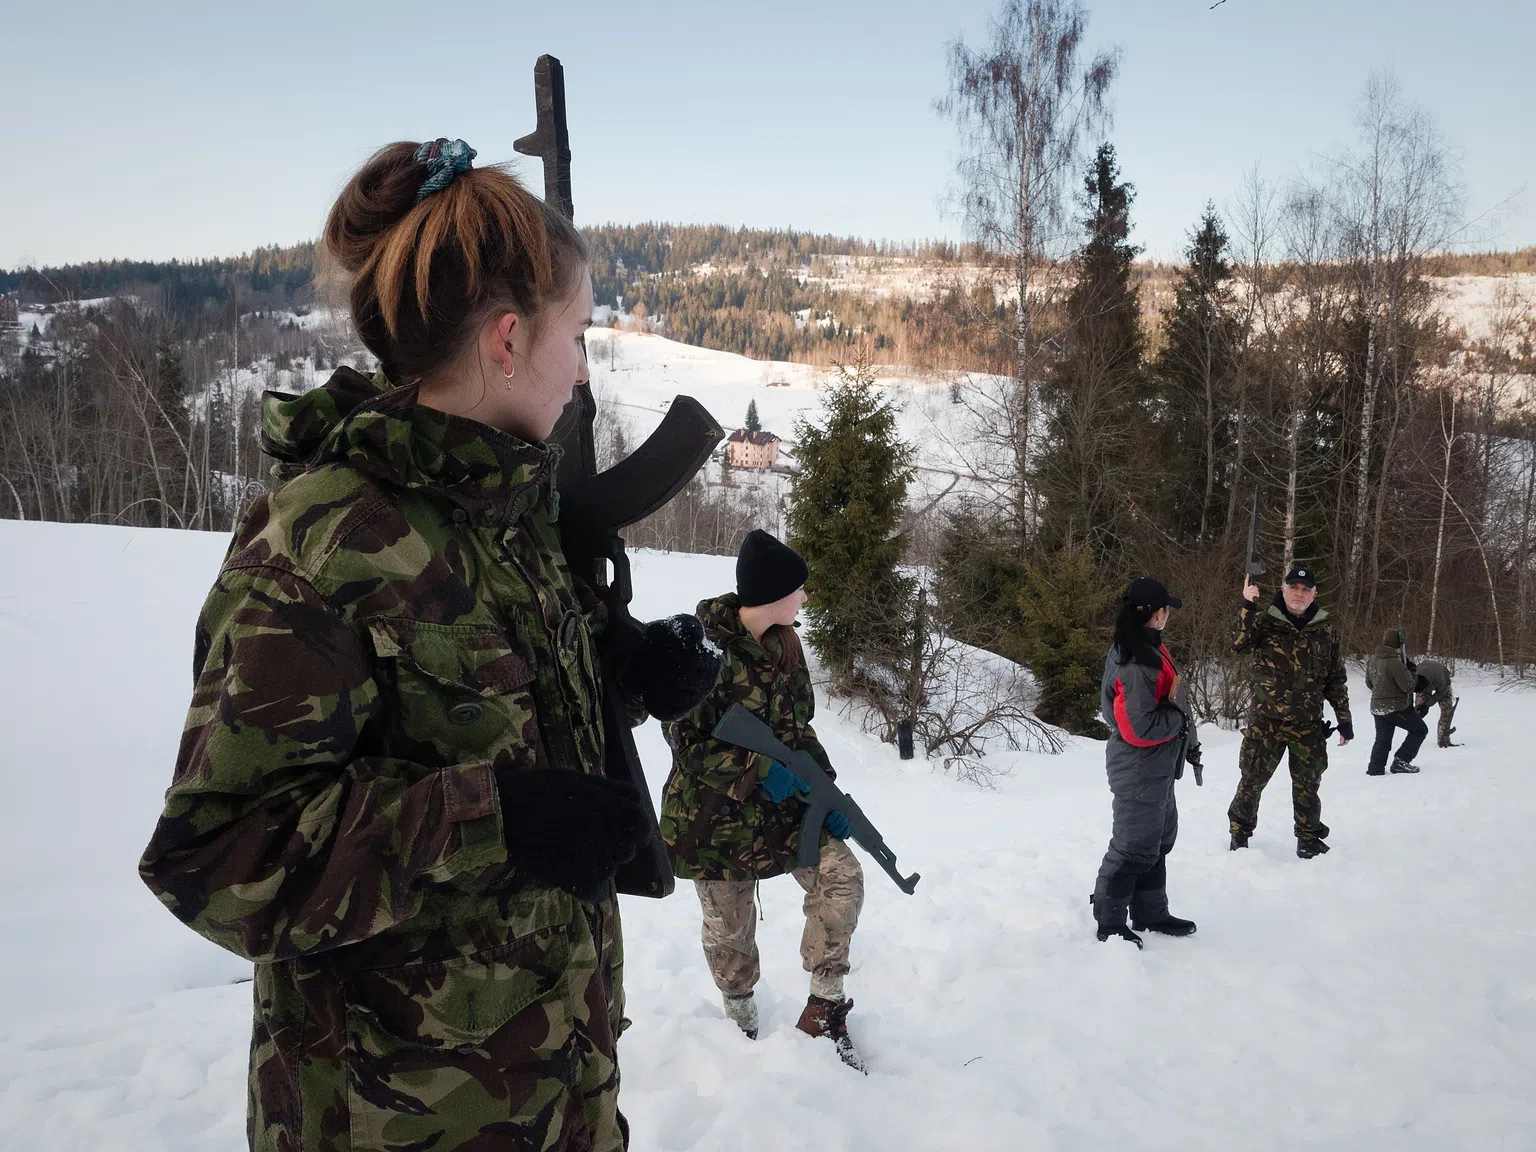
[830, 1018]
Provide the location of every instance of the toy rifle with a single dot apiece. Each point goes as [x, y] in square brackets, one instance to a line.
[594, 506]
[741, 728]
[1253, 566]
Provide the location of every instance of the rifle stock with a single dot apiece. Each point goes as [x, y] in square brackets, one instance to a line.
[741, 728]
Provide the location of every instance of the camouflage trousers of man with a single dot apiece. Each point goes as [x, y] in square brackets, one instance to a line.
[1443, 728]
[1264, 743]
[834, 896]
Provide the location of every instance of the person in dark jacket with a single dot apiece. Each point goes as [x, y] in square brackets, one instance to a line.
[1434, 688]
[1391, 680]
[731, 817]
[1152, 734]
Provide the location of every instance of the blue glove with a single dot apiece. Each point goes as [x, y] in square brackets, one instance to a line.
[837, 824]
[781, 783]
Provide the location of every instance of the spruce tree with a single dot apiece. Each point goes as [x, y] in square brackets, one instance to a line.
[1195, 376]
[1095, 396]
[754, 424]
[1064, 602]
[1095, 471]
[844, 517]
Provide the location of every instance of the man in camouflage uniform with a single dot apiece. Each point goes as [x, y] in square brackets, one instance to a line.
[1434, 687]
[728, 824]
[395, 715]
[1297, 664]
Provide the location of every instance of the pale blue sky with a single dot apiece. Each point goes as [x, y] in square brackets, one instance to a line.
[153, 129]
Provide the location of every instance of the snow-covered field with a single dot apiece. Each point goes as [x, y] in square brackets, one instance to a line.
[1381, 997]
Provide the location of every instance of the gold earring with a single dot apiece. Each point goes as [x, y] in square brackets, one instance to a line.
[507, 376]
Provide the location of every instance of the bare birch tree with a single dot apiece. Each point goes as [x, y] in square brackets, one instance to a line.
[1023, 107]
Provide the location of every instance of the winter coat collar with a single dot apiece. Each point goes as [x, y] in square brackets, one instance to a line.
[1312, 617]
[721, 617]
[384, 433]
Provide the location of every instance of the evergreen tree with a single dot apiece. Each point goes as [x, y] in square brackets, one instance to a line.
[1094, 474]
[1095, 395]
[1064, 603]
[844, 517]
[754, 424]
[1195, 376]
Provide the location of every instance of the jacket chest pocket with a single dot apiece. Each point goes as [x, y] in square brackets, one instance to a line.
[460, 689]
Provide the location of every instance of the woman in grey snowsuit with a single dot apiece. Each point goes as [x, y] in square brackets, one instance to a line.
[1151, 736]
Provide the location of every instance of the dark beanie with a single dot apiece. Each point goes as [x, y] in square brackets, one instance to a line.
[767, 570]
[1392, 638]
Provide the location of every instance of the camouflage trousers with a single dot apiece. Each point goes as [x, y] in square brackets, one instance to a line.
[512, 1048]
[1264, 743]
[834, 896]
[1443, 728]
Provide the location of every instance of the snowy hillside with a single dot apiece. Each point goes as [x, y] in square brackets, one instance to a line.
[1382, 997]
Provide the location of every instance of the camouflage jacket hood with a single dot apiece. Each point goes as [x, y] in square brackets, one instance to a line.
[390, 628]
[715, 818]
[385, 434]
[1296, 666]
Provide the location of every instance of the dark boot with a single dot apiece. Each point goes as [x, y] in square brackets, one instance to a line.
[830, 1018]
[1149, 905]
[1168, 926]
[1400, 765]
[1110, 913]
[1375, 771]
[1149, 914]
[1239, 840]
[1310, 847]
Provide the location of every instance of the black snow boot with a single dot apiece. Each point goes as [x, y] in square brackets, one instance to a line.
[1110, 912]
[1401, 765]
[1239, 840]
[1375, 771]
[1310, 847]
[1168, 926]
[1107, 930]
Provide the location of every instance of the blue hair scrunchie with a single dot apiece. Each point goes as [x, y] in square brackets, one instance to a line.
[444, 159]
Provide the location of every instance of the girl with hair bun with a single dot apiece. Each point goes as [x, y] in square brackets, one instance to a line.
[390, 792]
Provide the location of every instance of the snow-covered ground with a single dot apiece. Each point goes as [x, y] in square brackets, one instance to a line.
[1381, 997]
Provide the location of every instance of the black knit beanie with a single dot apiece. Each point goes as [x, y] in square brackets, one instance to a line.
[767, 570]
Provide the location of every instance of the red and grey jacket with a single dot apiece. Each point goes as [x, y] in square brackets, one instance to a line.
[1135, 704]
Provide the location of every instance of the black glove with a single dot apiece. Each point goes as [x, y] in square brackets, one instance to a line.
[1346, 730]
[1422, 710]
[670, 665]
[1412, 667]
[570, 830]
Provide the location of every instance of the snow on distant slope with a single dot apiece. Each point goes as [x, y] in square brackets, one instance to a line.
[639, 373]
[1381, 997]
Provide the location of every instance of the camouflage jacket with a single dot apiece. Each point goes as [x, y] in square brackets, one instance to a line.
[388, 627]
[715, 818]
[1294, 668]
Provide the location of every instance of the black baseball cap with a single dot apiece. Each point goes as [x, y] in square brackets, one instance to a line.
[1145, 592]
[1301, 575]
